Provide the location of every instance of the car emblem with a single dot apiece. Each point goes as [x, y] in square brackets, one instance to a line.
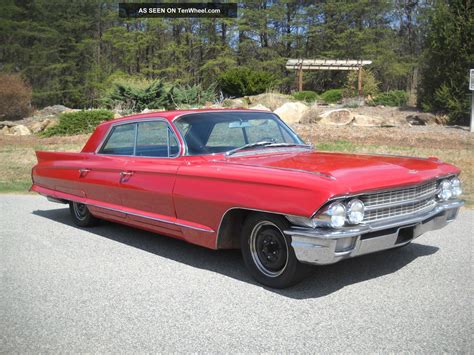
[412, 171]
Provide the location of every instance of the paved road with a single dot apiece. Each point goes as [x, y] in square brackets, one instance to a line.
[117, 289]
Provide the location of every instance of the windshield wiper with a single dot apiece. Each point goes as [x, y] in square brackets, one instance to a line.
[265, 144]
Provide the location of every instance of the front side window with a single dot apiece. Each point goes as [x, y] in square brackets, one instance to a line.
[154, 139]
[217, 132]
[144, 139]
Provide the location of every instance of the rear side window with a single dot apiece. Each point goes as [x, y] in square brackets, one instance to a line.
[145, 139]
[121, 140]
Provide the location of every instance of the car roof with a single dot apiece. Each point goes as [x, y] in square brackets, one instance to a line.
[171, 115]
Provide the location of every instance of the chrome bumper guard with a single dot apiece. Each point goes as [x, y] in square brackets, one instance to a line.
[322, 246]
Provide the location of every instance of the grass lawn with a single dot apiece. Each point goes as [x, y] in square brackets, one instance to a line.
[17, 154]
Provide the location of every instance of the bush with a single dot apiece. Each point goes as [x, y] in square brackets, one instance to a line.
[15, 97]
[135, 97]
[390, 98]
[78, 122]
[370, 86]
[191, 95]
[306, 96]
[240, 82]
[332, 96]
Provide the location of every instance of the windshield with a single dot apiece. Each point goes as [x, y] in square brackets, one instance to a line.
[218, 132]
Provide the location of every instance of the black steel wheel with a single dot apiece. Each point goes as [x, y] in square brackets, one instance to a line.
[81, 215]
[267, 251]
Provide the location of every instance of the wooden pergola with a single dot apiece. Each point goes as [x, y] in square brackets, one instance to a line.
[326, 64]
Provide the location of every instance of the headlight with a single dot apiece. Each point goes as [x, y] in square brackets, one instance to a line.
[337, 213]
[355, 211]
[333, 216]
[445, 192]
[456, 187]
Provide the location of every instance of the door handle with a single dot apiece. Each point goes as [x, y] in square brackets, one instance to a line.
[83, 172]
[125, 175]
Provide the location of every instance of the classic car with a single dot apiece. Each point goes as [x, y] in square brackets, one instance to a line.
[244, 179]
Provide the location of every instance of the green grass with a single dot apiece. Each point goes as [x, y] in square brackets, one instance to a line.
[15, 186]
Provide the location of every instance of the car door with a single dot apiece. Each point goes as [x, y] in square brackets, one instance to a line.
[150, 175]
[103, 173]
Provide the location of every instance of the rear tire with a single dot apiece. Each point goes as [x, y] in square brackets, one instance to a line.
[81, 215]
[267, 251]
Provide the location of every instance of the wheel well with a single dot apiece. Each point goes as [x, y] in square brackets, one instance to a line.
[228, 236]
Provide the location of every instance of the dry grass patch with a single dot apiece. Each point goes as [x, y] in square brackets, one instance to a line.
[17, 157]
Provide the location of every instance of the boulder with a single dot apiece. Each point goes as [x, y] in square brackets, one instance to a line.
[366, 121]
[270, 100]
[52, 123]
[39, 126]
[235, 103]
[52, 111]
[260, 107]
[7, 124]
[5, 130]
[340, 117]
[292, 112]
[312, 115]
[20, 130]
[422, 119]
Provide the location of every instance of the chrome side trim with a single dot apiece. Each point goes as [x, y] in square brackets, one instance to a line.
[84, 201]
[151, 218]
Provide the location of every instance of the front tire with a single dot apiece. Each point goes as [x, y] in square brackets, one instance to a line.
[267, 251]
[81, 215]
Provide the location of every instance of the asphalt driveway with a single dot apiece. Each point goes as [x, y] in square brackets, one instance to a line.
[117, 289]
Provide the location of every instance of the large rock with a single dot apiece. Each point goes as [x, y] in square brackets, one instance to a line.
[340, 117]
[422, 119]
[5, 130]
[39, 126]
[52, 123]
[7, 124]
[270, 100]
[312, 115]
[260, 107]
[367, 121]
[292, 112]
[235, 103]
[20, 130]
[52, 111]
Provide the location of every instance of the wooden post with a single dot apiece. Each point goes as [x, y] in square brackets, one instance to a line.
[300, 77]
[359, 82]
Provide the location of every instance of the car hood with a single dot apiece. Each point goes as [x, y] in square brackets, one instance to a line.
[356, 171]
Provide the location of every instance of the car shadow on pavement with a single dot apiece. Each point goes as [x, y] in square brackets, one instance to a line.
[323, 280]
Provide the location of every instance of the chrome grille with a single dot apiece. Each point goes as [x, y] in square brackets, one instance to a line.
[400, 202]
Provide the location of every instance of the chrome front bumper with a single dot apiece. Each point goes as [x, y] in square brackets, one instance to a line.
[321, 246]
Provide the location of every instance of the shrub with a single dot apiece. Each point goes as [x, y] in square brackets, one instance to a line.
[191, 95]
[332, 96]
[78, 122]
[306, 96]
[136, 97]
[240, 82]
[390, 98]
[15, 97]
[370, 86]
